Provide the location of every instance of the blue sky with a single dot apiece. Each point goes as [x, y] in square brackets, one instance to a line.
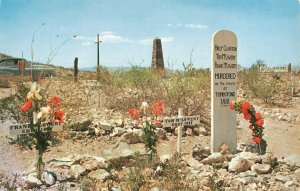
[266, 29]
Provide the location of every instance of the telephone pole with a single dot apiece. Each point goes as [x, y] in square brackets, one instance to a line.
[98, 58]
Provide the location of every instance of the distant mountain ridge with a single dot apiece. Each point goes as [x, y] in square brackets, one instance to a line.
[93, 69]
[5, 56]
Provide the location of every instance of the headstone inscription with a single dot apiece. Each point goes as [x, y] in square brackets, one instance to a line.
[19, 129]
[179, 122]
[183, 121]
[223, 90]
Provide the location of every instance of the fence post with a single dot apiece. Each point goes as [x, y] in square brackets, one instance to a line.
[75, 69]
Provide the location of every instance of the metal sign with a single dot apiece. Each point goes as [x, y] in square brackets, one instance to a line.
[181, 121]
[96, 87]
[275, 69]
[294, 85]
[18, 129]
[21, 65]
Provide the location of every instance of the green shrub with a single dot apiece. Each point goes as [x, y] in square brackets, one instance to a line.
[149, 139]
[187, 89]
[263, 89]
[10, 106]
[4, 83]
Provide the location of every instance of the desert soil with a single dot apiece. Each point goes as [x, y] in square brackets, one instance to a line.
[283, 139]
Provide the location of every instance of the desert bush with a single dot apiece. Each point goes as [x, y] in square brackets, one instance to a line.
[4, 83]
[264, 89]
[173, 177]
[136, 177]
[187, 89]
[215, 182]
[87, 185]
[264, 86]
[10, 106]
[142, 174]
[10, 184]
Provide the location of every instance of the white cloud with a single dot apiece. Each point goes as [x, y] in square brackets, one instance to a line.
[106, 33]
[196, 26]
[145, 41]
[111, 38]
[174, 25]
[105, 37]
[86, 43]
[167, 39]
[81, 38]
[299, 1]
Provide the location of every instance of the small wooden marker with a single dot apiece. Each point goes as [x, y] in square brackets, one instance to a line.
[75, 69]
[179, 139]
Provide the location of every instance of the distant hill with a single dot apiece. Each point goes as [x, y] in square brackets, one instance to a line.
[2, 56]
[5, 56]
[93, 69]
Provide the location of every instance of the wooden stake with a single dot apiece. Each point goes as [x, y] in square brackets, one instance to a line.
[75, 69]
[179, 138]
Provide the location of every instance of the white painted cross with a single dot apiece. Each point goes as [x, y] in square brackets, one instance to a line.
[179, 122]
[294, 86]
[179, 134]
[19, 129]
[98, 87]
[223, 90]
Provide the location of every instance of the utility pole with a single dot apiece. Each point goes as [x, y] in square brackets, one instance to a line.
[98, 58]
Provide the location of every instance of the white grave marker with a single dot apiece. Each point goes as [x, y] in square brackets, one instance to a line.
[18, 129]
[181, 121]
[98, 87]
[179, 134]
[223, 90]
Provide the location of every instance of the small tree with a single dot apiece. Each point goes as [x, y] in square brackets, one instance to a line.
[263, 89]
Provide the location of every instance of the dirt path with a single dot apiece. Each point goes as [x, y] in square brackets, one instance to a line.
[283, 138]
[13, 160]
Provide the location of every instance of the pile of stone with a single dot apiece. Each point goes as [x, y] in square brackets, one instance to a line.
[281, 115]
[129, 133]
[76, 168]
[252, 171]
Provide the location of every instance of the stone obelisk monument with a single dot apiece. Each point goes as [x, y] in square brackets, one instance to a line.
[157, 56]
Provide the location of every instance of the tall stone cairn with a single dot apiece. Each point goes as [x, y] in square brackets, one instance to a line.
[157, 55]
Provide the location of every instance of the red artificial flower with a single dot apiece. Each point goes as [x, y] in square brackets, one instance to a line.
[256, 139]
[58, 115]
[247, 116]
[231, 105]
[55, 101]
[251, 127]
[27, 105]
[133, 113]
[157, 108]
[260, 122]
[258, 116]
[245, 106]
